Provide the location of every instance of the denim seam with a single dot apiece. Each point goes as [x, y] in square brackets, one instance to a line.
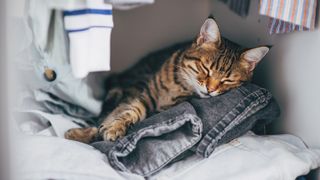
[238, 120]
[234, 123]
[209, 137]
[242, 90]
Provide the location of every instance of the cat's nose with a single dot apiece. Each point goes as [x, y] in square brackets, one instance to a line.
[211, 89]
[212, 85]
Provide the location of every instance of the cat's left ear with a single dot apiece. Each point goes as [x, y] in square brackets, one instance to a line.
[209, 32]
[254, 56]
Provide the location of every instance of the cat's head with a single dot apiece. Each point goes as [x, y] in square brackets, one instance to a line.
[213, 65]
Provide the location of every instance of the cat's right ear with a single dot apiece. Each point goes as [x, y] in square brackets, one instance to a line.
[254, 56]
[209, 33]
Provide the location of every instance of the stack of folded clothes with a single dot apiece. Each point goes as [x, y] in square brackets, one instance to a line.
[197, 126]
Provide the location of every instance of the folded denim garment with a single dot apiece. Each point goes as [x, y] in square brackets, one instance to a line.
[197, 126]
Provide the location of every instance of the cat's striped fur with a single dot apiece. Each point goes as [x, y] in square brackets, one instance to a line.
[204, 68]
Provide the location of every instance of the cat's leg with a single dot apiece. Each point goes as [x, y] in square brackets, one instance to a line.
[126, 114]
[88, 135]
[85, 135]
[112, 100]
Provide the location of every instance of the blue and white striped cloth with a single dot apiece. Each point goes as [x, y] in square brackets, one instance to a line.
[289, 15]
[89, 26]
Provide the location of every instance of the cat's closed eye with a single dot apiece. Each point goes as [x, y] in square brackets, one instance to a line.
[228, 81]
[201, 82]
[194, 58]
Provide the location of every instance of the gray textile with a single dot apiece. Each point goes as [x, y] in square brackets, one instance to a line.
[241, 7]
[50, 103]
[199, 125]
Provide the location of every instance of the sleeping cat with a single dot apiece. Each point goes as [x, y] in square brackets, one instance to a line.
[207, 67]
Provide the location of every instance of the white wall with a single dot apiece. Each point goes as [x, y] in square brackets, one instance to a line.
[148, 28]
[140, 31]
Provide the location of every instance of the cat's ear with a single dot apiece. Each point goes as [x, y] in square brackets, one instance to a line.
[253, 56]
[209, 32]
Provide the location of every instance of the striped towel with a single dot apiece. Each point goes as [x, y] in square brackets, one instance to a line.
[240, 7]
[289, 15]
[89, 28]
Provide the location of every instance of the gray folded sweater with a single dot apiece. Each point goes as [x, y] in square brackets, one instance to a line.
[197, 126]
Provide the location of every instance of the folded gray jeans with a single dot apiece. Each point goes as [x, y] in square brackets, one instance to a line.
[197, 126]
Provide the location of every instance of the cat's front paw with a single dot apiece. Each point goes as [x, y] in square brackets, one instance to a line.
[85, 135]
[112, 131]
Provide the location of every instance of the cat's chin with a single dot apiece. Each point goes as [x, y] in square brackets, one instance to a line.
[214, 94]
[204, 95]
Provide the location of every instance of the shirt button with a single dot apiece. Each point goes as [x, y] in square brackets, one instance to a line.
[49, 74]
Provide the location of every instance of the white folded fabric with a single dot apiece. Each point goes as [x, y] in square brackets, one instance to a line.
[89, 29]
[250, 157]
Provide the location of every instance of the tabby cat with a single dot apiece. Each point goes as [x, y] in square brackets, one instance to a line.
[207, 67]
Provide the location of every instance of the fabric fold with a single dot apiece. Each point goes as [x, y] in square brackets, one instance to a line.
[162, 138]
[197, 126]
[239, 120]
